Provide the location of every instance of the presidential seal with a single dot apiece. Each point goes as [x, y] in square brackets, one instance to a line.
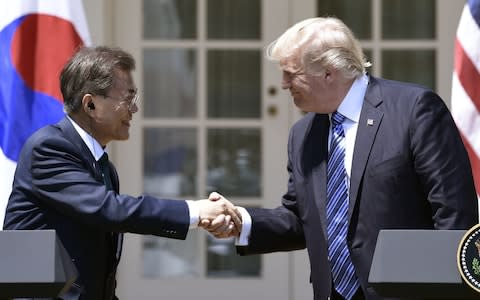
[468, 257]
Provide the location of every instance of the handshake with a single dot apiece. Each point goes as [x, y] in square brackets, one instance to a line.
[219, 216]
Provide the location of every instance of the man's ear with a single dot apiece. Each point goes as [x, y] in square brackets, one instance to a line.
[327, 74]
[330, 75]
[88, 103]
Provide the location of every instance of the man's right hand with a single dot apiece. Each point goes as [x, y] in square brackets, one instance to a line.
[223, 225]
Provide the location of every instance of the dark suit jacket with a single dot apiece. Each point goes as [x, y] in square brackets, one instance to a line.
[58, 185]
[409, 171]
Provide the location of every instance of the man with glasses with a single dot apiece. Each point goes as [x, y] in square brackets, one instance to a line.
[64, 180]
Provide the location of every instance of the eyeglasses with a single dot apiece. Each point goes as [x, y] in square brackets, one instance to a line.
[130, 101]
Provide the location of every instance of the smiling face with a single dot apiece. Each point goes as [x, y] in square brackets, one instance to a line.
[112, 116]
[321, 92]
[310, 93]
[300, 84]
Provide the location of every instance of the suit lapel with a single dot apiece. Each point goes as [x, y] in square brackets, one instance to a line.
[72, 135]
[369, 122]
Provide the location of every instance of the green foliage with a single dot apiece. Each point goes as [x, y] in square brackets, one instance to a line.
[476, 266]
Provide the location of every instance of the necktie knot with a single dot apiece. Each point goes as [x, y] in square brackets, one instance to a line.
[337, 118]
[103, 159]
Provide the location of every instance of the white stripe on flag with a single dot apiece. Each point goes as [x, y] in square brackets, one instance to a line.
[70, 10]
[465, 114]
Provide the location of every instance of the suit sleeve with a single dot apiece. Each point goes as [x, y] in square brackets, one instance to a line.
[278, 229]
[62, 182]
[442, 163]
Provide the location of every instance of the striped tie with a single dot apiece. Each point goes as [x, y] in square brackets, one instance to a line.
[343, 271]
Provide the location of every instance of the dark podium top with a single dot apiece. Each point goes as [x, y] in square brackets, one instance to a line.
[34, 263]
[419, 264]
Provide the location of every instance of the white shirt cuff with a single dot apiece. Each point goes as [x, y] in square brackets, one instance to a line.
[194, 212]
[242, 240]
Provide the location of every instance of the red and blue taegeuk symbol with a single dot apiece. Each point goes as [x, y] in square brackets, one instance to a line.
[33, 50]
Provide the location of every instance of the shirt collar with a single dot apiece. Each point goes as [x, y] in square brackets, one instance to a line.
[351, 105]
[95, 148]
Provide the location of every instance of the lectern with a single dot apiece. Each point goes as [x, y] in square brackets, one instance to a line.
[34, 263]
[419, 264]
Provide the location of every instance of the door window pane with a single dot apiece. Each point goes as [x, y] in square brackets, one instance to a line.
[170, 162]
[170, 83]
[234, 83]
[234, 162]
[417, 66]
[223, 261]
[233, 19]
[167, 258]
[408, 19]
[169, 19]
[170, 169]
[356, 14]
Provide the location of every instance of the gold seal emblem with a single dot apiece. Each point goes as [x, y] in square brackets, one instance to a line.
[468, 257]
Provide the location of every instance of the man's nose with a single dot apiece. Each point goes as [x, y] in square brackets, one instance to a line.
[286, 82]
[134, 108]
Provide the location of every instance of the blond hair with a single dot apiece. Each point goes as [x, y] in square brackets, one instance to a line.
[321, 43]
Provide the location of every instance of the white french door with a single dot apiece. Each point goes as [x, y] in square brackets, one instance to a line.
[212, 118]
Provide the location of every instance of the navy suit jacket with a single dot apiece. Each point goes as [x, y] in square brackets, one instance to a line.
[409, 171]
[58, 185]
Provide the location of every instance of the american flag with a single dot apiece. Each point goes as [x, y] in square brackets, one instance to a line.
[466, 84]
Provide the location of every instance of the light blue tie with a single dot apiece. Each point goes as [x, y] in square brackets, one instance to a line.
[343, 271]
